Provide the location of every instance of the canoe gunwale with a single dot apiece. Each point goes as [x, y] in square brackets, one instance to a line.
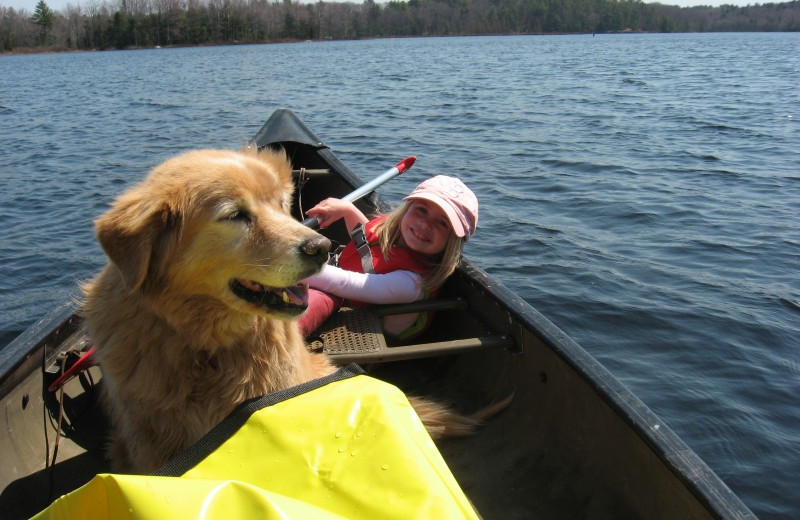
[696, 475]
[24, 354]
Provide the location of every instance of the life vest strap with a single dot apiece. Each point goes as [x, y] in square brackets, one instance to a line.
[363, 248]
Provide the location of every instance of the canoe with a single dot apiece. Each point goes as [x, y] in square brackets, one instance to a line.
[574, 442]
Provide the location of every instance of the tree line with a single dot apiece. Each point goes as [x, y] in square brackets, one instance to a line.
[103, 24]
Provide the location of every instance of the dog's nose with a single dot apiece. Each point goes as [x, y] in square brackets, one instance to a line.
[316, 247]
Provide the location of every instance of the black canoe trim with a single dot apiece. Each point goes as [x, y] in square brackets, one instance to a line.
[24, 354]
[283, 126]
[223, 431]
[682, 460]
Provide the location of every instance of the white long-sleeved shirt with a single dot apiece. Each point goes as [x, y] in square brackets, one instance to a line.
[394, 287]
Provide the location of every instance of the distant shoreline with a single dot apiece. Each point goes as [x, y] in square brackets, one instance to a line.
[58, 50]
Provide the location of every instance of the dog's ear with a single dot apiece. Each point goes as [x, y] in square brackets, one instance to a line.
[129, 231]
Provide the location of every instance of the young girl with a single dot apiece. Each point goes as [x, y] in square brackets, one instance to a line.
[404, 256]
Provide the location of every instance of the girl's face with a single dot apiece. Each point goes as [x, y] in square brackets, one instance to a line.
[425, 228]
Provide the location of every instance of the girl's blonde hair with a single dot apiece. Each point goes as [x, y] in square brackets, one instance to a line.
[442, 266]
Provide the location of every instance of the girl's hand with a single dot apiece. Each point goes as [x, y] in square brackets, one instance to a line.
[330, 210]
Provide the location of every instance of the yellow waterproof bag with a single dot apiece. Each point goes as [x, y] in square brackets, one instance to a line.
[345, 446]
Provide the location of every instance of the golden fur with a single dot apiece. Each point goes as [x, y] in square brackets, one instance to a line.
[184, 319]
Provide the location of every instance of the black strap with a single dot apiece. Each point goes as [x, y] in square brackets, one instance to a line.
[333, 256]
[362, 246]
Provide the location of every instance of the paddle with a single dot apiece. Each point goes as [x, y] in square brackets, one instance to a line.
[369, 187]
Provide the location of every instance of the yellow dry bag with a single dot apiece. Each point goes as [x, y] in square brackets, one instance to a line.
[345, 446]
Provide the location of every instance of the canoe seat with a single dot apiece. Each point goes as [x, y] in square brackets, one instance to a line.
[355, 335]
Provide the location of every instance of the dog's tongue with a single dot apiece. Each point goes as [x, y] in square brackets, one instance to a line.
[297, 294]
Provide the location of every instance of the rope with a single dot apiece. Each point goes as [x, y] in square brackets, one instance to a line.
[51, 464]
[301, 180]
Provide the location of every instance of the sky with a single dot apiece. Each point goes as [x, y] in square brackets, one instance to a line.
[58, 5]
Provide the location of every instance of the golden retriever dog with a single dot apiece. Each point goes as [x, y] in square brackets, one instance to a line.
[194, 312]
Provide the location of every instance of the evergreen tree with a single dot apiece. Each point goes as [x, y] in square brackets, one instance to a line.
[43, 17]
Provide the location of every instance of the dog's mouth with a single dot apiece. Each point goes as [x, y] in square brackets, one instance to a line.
[287, 300]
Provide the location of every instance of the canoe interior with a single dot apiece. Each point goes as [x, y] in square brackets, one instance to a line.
[557, 452]
[573, 443]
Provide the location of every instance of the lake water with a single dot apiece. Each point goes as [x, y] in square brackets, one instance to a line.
[641, 191]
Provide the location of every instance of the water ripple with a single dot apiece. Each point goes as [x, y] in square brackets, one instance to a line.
[644, 201]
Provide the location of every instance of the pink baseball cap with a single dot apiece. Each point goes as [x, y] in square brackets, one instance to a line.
[456, 200]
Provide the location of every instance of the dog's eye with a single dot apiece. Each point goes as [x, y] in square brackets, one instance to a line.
[239, 215]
